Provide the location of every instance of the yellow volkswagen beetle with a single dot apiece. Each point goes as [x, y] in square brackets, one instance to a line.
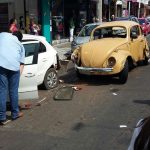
[114, 48]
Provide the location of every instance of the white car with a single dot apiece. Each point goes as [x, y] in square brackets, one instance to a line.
[41, 63]
[83, 36]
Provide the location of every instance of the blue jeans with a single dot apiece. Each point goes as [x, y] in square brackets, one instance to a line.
[9, 83]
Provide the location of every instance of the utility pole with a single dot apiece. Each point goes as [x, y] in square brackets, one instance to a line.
[139, 8]
[129, 10]
[99, 10]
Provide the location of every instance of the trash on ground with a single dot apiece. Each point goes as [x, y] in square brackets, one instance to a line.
[61, 81]
[114, 94]
[123, 126]
[64, 93]
[39, 102]
[76, 88]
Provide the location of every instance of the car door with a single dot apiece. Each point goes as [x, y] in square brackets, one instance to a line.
[45, 60]
[135, 44]
[28, 80]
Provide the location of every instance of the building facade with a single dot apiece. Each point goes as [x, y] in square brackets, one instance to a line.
[53, 15]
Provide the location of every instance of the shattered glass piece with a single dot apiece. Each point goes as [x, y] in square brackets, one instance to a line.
[64, 93]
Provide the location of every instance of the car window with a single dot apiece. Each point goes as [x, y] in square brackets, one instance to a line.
[86, 30]
[30, 49]
[42, 48]
[136, 30]
[110, 32]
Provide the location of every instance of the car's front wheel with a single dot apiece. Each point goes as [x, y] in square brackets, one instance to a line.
[79, 75]
[50, 79]
[145, 61]
[123, 76]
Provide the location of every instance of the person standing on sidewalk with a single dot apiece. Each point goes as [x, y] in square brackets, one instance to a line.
[13, 25]
[71, 28]
[12, 56]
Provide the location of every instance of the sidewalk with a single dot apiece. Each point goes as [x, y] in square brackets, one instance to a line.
[63, 47]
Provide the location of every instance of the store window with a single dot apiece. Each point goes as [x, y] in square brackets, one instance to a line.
[57, 19]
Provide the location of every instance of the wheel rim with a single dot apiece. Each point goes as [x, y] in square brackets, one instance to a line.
[52, 79]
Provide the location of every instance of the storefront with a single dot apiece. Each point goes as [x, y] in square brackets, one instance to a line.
[64, 10]
[119, 8]
[25, 10]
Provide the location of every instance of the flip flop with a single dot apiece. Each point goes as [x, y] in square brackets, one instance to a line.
[20, 114]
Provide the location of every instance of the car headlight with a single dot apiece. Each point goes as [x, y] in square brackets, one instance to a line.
[111, 62]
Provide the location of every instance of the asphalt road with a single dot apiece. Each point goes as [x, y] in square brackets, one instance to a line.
[90, 121]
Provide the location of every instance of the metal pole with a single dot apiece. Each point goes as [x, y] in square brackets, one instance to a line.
[129, 7]
[139, 9]
[109, 10]
[25, 11]
[99, 10]
[116, 13]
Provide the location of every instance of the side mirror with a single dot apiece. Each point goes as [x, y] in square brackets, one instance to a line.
[133, 35]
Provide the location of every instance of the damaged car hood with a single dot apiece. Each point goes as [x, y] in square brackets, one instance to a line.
[94, 53]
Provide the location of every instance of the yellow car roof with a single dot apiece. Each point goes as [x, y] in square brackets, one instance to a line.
[126, 24]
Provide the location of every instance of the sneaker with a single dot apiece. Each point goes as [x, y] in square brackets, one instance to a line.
[4, 122]
[20, 114]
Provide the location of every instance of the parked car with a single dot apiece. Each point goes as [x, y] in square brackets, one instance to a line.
[41, 64]
[114, 48]
[130, 18]
[83, 36]
[144, 25]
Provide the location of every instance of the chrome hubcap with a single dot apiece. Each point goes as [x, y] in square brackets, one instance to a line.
[52, 79]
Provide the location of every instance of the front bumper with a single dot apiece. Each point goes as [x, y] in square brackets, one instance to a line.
[89, 70]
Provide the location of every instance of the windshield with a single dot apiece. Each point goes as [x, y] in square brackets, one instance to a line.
[141, 21]
[86, 30]
[110, 32]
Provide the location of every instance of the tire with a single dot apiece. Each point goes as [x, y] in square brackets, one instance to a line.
[79, 75]
[145, 61]
[123, 76]
[50, 79]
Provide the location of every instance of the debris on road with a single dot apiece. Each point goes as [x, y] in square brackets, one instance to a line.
[114, 94]
[61, 81]
[76, 88]
[39, 102]
[123, 126]
[64, 93]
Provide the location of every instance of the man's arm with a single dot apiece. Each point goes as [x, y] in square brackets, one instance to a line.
[21, 68]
